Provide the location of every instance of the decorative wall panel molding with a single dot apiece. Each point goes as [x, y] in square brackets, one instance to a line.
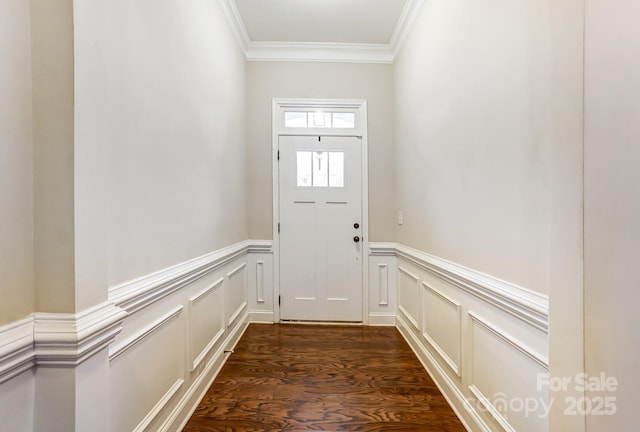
[442, 327]
[524, 304]
[260, 281]
[120, 348]
[383, 284]
[206, 322]
[409, 296]
[235, 293]
[504, 369]
[159, 407]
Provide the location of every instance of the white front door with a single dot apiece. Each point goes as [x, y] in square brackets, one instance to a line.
[320, 228]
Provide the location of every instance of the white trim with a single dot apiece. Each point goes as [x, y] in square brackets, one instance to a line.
[130, 342]
[69, 339]
[455, 398]
[509, 340]
[260, 281]
[260, 316]
[142, 292]
[236, 270]
[383, 284]
[524, 304]
[491, 409]
[455, 366]
[232, 14]
[401, 308]
[198, 296]
[277, 124]
[382, 318]
[321, 51]
[191, 399]
[236, 314]
[407, 17]
[192, 301]
[157, 409]
[16, 348]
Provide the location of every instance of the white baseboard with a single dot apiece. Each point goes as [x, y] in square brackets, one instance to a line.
[460, 405]
[382, 319]
[263, 317]
[188, 404]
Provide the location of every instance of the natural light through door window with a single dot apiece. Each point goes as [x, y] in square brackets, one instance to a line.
[319, 119]
[319, 169]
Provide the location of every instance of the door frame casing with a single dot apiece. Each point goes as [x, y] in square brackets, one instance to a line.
[359, 107]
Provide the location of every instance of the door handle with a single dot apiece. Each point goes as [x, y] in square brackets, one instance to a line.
[356, 239]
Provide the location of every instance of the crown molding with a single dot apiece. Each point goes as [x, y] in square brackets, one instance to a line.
[232, 14]
[406, 20]
[321, 52]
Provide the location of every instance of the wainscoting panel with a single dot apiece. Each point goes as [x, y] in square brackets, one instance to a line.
[206, 322]
[409, 295]
[147, 370]
[383, 279]
[17, 401]
[260, 285]
[182, 325]
[235, 294]
[483, 341]
[504, 376]
[442, 326]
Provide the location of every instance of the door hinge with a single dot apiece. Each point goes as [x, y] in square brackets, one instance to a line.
[278, 227]
[278, 300]
[278, 154]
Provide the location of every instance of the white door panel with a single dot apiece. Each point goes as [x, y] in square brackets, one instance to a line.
[320, 203]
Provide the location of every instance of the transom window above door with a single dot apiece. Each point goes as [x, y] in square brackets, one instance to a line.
[319, 119]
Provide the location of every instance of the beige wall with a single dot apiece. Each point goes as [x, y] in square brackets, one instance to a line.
[16, 168]
[53, 134]
[372, 82]
[161, 136]
[612, 205]
[475, 136]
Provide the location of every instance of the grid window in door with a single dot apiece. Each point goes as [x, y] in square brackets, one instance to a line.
[319, 168]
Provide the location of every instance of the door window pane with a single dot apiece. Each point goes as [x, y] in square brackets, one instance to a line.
[303, 168]
[336, 169]
[319, 169]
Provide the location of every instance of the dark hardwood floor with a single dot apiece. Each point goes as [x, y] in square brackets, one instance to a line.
[287, 377]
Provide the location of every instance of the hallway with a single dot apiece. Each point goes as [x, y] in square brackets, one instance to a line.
[142, 230]
[285, 377]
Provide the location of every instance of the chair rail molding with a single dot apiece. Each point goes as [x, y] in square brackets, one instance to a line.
[142, 292]
[524, 304]
[16, 348]
[69, 339]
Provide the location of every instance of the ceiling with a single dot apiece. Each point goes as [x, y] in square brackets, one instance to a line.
[321, 30]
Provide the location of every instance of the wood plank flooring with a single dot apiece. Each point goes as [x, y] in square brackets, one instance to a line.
[288, 377]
